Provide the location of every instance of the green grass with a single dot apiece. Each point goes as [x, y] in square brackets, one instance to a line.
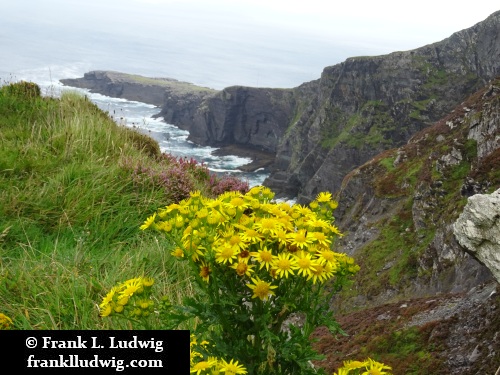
[176, 85]
[70, 211]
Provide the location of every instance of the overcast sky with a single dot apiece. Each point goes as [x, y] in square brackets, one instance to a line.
[222, 42]
[393, 23]
[386, 22]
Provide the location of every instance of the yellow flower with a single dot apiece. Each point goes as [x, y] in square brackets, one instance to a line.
[376, 368]
[255, 191]
[213, 217]
[335, 230]
[237, 242]
[203, 213]
[205, 272]
[261, 289]
[301, 238]
[305, 264]
[353, 365]
[327, 255]
[254, 204]
[313, 205]
[239, 202]
[130, 287]
[302, 210]
[122, 301]
[105, 310]
[318, 224]
[242, 268]
[232, 368]
[267, 225]
[145, 303]
[321, 238]
[281, 237]
[178, 253]
[149, 221]
[5, 321]
[318, 273]
[284, 265]
[147, 281]
[324, 196]
[165, 226]
[267, 193]
[195, 195]
[264, 256]
[333, 205]
[109, 297]
[225, 253]
[179, 221]
[201, 366]
[192, 249]
[244, 256]
[231, 211]
[250, 235]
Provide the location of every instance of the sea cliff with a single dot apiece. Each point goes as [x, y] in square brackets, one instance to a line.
[318, 132]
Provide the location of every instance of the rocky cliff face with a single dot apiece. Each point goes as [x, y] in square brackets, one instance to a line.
[421, 220]
[398, 210]
[323, 129]
[236, 115]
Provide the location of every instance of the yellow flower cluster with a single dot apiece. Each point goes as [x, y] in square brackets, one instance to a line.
[131, 296]
[203, 364]
[366, 367]
[5, 321]
[260, 239]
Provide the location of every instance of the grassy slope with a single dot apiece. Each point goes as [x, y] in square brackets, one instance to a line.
[74, 189]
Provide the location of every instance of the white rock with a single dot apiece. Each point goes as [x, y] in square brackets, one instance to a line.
[478, 230]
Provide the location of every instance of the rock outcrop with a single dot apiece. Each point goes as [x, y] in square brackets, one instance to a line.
[155, 91]
[478, 230]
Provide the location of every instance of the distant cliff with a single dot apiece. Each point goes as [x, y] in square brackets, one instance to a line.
[154, 91]
[321, 130]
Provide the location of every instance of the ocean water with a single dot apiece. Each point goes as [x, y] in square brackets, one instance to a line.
[171, 139]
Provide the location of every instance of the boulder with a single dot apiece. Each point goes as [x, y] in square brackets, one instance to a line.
[478, 230]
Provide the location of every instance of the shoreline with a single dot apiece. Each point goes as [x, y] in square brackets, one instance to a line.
[260, 158]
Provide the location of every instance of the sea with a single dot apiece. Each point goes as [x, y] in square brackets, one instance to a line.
[41, 43]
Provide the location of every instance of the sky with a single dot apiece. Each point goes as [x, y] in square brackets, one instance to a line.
[249, 42]
[400, 24]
